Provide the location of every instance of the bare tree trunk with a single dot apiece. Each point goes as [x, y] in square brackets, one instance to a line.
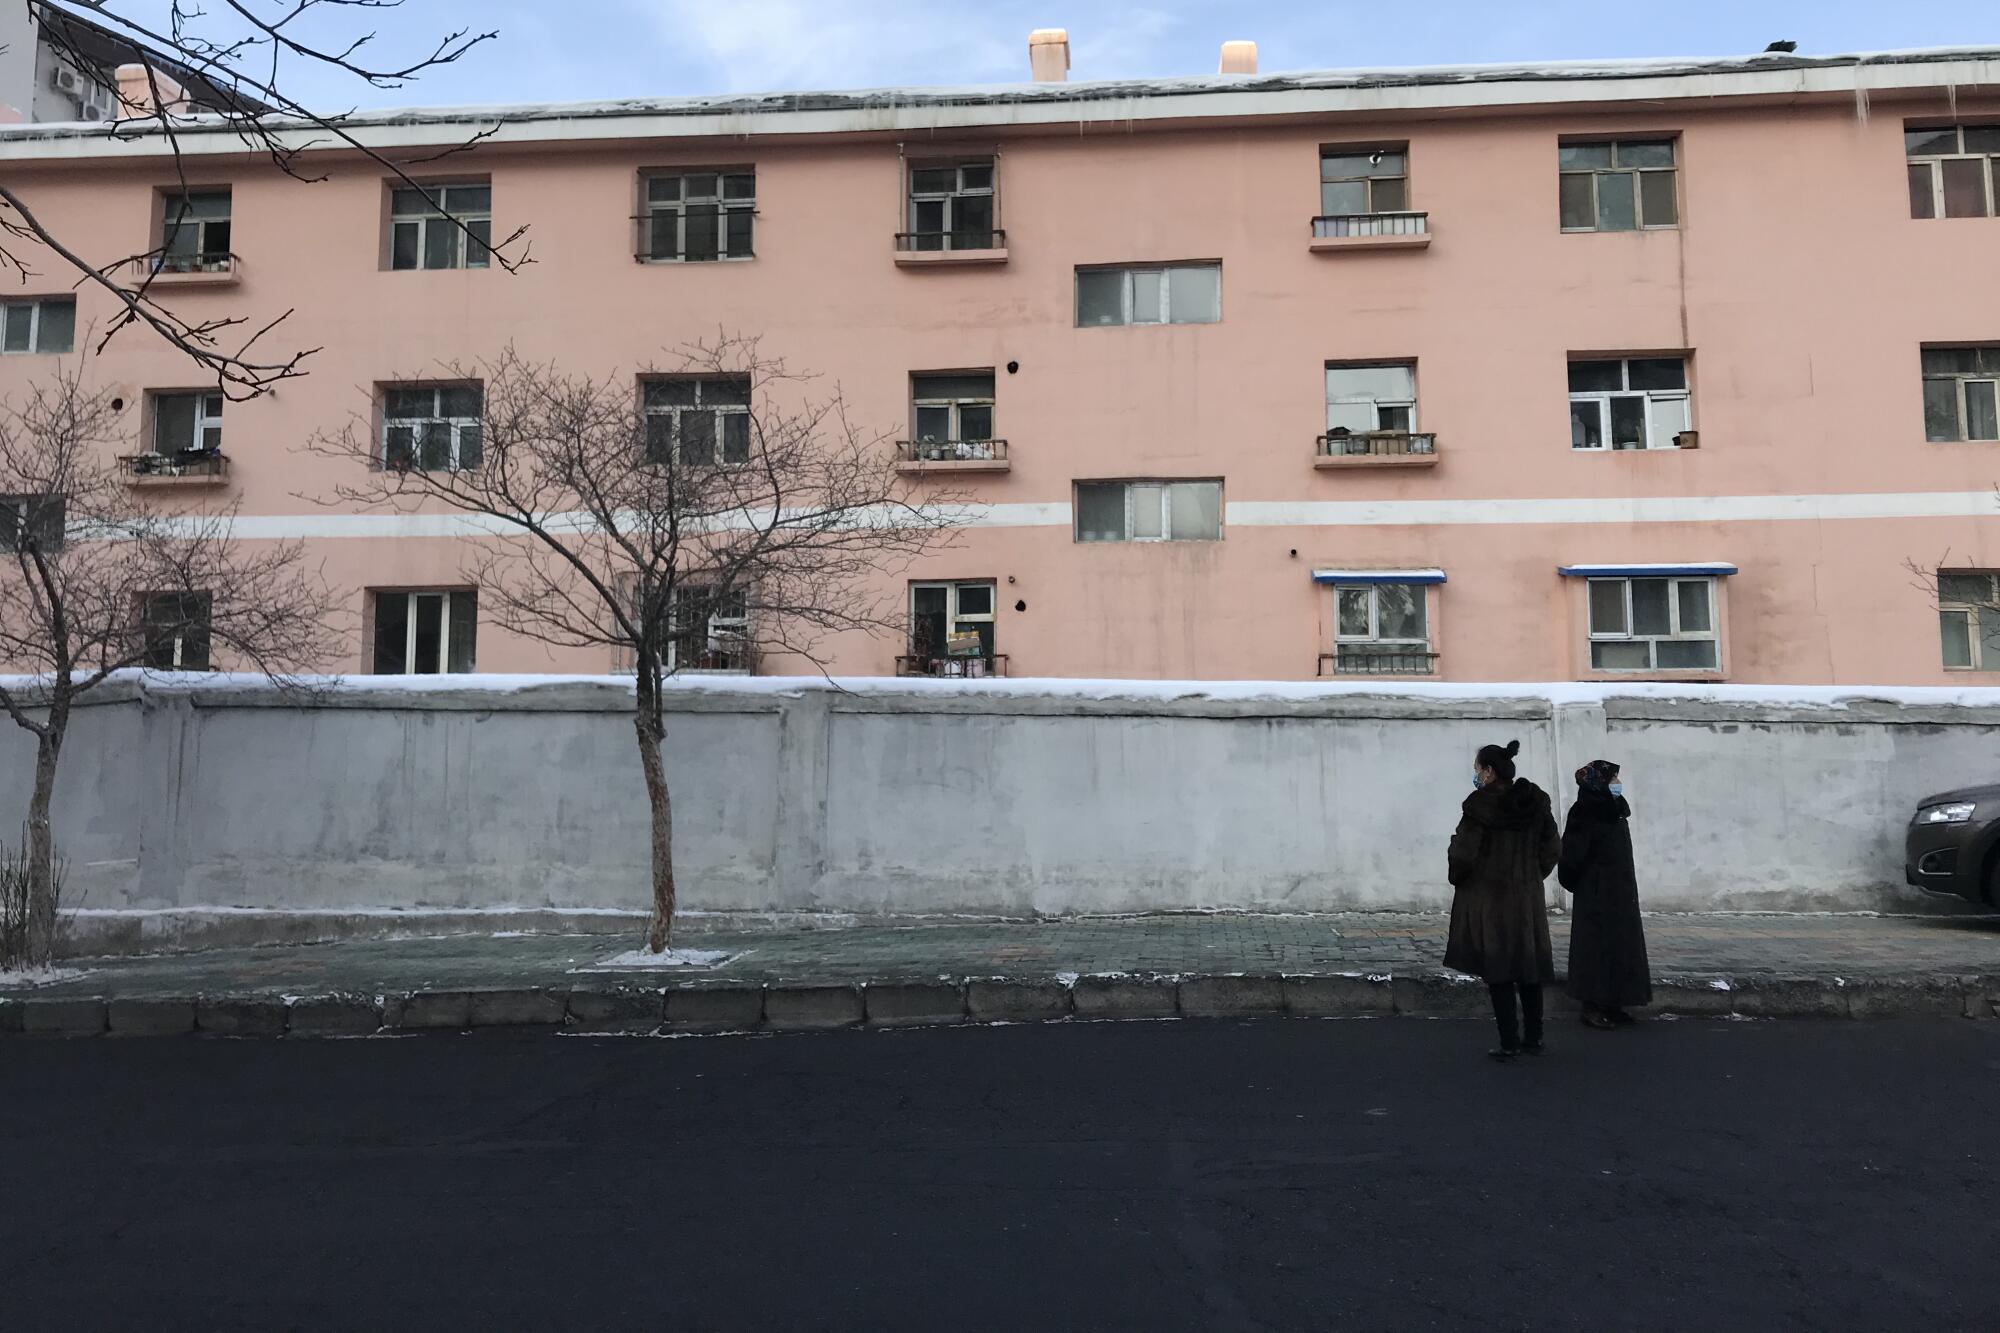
[41, 923]
[652, 731]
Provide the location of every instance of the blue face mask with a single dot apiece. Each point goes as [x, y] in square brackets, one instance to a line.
[1616, 789]
[1476, 783]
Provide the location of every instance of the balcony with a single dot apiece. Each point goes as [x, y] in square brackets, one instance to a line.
[953, 668]
[193, 467]
[210, 270]
[1371, 231]
[1377, 448]
[1368, 660]
[952, 456]
[921, 249]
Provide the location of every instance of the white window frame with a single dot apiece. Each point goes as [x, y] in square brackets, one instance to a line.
[1675, 633]
[1934, 163]
[1135, 503]
[458, 426]
[1597, 174]
[34, 305]
[1602, 398]
[721, 631]
[206, 258]
[1163, 313]
[207, 418]
[954, 405]
[676, 415]
[1962, 382]
[1407, 406]
[655, 213]
[433, 212]
[179, 639]
[954, 616]
[449, 596]
[949, 198]
[1982, 657]
[1373, 638]
[1328, 151]
[19, 511]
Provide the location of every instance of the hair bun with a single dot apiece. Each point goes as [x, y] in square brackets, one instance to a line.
[1513, 748]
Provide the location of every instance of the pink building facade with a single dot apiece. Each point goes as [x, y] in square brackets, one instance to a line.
[1663, 370]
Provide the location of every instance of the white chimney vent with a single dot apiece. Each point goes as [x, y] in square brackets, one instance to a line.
[1048, 55]
[1238, 58]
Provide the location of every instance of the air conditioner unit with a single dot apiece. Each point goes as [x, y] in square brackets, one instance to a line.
[69, 81]
[92, 111]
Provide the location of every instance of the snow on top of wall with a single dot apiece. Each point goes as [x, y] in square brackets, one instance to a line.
[1049, 687]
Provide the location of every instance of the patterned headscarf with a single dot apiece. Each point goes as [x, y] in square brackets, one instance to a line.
[1597, 775]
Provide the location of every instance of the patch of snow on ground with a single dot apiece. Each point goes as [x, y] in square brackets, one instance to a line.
[645, 960]
[40, 976]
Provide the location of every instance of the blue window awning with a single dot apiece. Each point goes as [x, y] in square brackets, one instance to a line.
[1697, 569]
[1378, 576]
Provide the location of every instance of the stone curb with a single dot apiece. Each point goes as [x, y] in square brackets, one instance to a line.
[721, 1006]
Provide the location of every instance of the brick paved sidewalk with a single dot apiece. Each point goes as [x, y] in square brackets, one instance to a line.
[1822, 964]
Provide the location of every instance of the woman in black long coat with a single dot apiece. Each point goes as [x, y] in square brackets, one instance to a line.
[1607, 941]
[1504, 848]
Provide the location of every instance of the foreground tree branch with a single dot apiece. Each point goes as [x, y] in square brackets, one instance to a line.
[716, 512]
[96, 577]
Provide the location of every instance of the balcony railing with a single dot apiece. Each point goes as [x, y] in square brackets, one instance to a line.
[1391, 448]
[191, 467]
[1363, 231]
[203, 268]
[924, 242]
[959, 667]
[952, 456]
[1361, 660]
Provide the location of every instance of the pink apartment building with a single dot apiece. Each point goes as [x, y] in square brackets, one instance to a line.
[1658, 370]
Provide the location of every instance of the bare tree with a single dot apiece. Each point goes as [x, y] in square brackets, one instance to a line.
[97, 576]
[225, 68]
[698, 519]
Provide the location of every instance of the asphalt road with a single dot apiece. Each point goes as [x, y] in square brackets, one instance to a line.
[1277, 1174]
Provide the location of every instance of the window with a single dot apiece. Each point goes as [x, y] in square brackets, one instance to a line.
[432, 427]
[1148, 511]
[31, 522]
[951, 205]
[953, 408]
[187, 423]
[1637, 403]
[425, 632]
[951, 628]
[1177, 294]
[1623, 186]
[1969, 620]
[1381, 629]
[1363, 180]
[1663, 624]
[1962, 393]
[194, 233]
[429, 227]
[1364, 396]
[1954, 171]
[698, 420]
[45, 325]
[710, 630]
[175, 626]
[697, 216]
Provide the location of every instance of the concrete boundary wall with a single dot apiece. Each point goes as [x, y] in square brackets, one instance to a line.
[469, 799]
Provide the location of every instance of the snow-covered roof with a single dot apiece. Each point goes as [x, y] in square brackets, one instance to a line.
[1703, 567]
[1124, 102]
[1378, 576]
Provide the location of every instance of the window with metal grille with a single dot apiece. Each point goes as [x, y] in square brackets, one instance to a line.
[1623, 185]
[425, 631]
[1663, 624]
[441, 226]
[1381, 628]
[697, 216]
[175, 630]
[698, 419]
[1629, 403]
[431, 427]
[45, 324]
[1961, 393]
[32, 522]
[1954, 170]
[710, 631]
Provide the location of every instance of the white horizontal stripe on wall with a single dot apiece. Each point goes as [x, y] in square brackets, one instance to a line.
[1289, 514]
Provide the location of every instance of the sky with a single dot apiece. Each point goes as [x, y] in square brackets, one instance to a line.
[580, 50]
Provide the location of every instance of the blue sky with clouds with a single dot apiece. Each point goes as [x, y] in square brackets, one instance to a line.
[561, 50]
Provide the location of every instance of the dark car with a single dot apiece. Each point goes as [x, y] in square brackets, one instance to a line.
[1953, 845]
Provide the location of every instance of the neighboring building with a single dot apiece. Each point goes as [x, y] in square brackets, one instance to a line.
[1645, 370]
[59, 66]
